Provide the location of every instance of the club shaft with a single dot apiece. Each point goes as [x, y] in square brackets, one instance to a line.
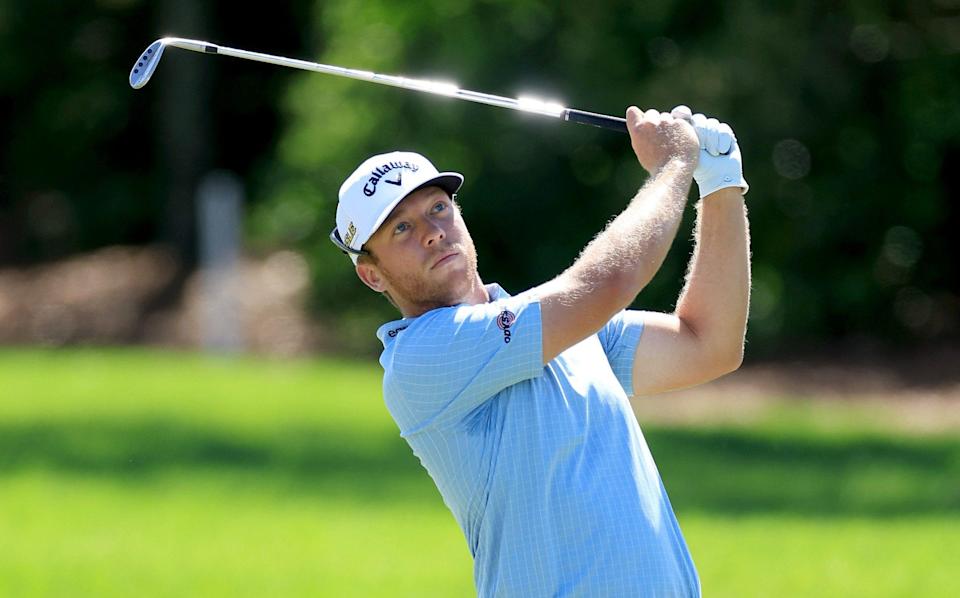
[555, 111]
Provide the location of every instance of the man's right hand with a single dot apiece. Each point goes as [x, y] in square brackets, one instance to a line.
[659, 138]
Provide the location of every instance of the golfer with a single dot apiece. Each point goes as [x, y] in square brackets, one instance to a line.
[517, 405]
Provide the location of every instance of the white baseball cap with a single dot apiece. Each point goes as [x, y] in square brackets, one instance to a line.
[369, 195]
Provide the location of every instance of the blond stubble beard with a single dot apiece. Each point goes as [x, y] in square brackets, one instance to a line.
[425, 295]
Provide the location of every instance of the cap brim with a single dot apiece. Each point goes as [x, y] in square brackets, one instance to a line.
[448, 181]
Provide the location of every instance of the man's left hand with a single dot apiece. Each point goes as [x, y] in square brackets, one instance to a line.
[720, 165]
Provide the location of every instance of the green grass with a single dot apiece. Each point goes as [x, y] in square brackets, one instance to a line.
[791, 555]
[160, 474]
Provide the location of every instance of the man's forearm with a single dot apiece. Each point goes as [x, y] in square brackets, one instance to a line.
[624, 257]
[715, 300]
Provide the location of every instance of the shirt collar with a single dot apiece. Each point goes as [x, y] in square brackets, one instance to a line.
[390, 330]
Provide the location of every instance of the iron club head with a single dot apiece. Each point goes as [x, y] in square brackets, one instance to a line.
[146, 64]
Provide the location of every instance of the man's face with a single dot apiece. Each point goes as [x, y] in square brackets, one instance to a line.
[425, 257]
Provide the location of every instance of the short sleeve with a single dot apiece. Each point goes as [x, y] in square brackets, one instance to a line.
[453, 359]
[619, 338]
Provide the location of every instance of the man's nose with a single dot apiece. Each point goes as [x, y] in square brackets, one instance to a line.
[434, 234]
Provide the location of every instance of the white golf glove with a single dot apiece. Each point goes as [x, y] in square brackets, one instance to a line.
[720, 165]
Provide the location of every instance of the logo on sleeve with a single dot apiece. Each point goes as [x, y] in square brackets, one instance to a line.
[395, 331]
[505, 320]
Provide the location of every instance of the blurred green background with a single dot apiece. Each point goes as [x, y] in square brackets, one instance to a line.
[130, 470]
[846, 113]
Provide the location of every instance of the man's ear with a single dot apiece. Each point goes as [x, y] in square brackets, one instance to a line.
[370, 275]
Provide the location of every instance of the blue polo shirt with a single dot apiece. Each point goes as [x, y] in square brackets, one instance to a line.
[544, 467]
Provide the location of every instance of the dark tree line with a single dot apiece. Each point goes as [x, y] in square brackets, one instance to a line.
[846, 114]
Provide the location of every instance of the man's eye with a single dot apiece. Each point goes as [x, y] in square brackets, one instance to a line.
[440, 206]
[401, 227]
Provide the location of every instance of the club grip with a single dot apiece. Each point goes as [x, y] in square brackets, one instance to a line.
[597, 120]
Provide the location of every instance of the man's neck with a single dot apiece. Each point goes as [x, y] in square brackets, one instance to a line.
[475, 295]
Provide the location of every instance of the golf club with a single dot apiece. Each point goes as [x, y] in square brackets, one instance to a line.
[147, 63]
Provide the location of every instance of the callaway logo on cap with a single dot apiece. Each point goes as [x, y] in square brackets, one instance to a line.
[369, 195]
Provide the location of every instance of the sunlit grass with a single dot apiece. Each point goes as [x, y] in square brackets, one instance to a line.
[823, 556]
[208, 533]
[162, 474]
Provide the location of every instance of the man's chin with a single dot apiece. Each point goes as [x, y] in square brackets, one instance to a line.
[446, 285]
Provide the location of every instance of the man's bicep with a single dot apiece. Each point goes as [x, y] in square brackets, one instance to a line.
[669, 356]
[570, 315]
